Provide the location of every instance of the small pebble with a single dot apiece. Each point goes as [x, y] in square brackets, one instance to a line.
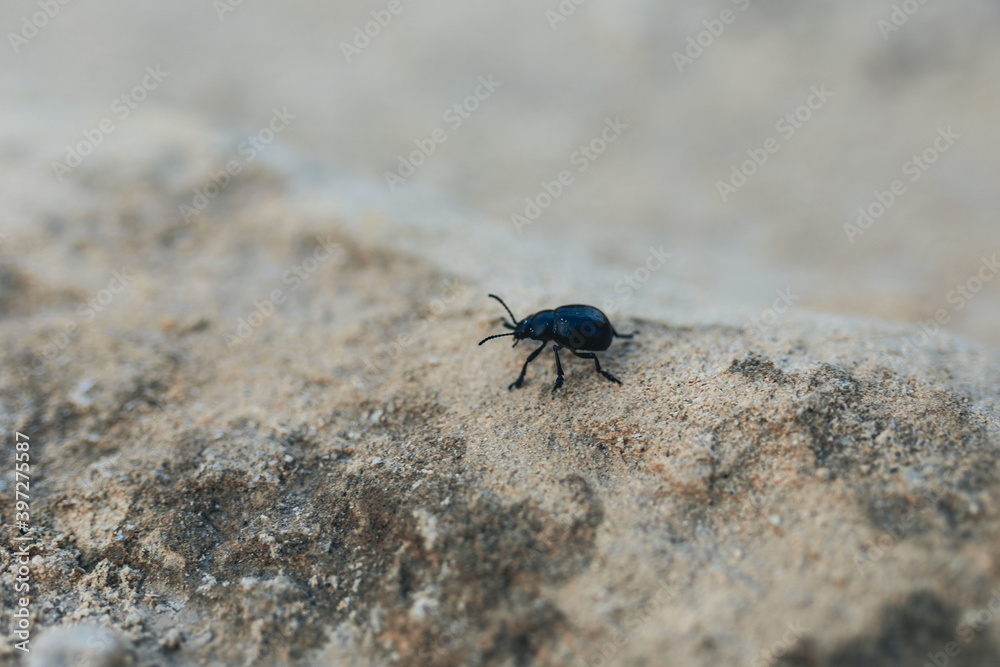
[171, 641]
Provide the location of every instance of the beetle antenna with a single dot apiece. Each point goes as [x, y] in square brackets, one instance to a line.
[494, 296]
[497, 336]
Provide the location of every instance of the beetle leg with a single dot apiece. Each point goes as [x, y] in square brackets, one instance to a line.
[597, 365]
[559, 371]
[618, 335]
[520, 378]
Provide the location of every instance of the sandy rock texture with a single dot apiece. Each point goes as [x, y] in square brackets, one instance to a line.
[245, 359]
[349, 479]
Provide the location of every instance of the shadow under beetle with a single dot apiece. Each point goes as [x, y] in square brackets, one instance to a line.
[573, 327]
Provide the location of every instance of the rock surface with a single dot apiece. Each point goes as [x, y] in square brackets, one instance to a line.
[263, 433]
[303, 490]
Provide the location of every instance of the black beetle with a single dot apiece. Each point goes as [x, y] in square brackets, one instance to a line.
[573, 327]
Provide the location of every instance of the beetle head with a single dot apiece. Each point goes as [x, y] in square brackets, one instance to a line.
[521, 329]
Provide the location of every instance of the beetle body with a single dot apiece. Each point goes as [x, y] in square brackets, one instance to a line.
[581, 329]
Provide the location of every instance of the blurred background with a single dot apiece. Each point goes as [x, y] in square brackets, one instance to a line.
[430, 125]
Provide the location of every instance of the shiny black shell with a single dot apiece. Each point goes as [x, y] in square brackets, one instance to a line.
[577, 327]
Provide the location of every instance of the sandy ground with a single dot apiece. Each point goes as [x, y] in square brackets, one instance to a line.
[260, 428]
